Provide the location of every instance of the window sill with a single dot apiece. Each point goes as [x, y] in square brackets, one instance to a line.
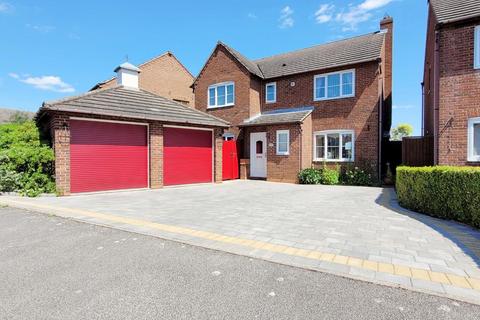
[271, 101]
[333, 160]
[337, 98]
[220, 107]
[282, 154]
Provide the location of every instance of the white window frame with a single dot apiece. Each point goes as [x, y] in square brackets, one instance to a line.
[471, 157]
[476, 48]
[325, 75]
[215, 86]
[283, 153]
[325, 133]
[274, 84]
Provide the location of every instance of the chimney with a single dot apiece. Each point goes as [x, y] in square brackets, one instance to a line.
[386, 26]
[127, 75]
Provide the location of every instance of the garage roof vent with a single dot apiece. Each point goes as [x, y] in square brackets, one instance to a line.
[127, 75]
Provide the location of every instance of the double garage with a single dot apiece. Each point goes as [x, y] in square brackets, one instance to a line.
[105, 153]
[114, 155]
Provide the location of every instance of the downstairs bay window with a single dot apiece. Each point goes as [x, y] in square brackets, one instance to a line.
[333, 145]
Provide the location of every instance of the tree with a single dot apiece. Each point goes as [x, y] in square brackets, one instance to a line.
[19, 117]
[400, 131]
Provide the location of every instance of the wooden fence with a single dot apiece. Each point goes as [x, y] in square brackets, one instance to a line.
[417, 151]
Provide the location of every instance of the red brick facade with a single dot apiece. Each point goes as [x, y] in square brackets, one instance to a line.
[60, 133]
[360, 113]
[164, 76]
[451, 89]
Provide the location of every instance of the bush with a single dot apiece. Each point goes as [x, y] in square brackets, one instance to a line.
[310, 176]
[318, 176]
[26, 162]
[357, 177]
[329, 176]
[443, 192]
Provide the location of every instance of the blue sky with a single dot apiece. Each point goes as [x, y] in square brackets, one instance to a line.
[52, 49]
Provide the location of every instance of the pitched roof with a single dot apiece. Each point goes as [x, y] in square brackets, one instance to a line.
[168, 53]
[136, 104]
[250, 65]
[455, 10]
[359, 49]
[279, 116]
[334, 54]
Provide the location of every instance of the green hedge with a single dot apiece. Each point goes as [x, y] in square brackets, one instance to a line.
[443, 192]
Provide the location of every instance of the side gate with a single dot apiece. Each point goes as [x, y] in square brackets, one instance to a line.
[230, 160]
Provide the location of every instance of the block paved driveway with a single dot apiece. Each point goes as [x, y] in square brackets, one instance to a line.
[356, 232]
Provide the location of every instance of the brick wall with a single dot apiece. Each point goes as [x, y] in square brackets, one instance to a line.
[359, 113]
[222, 67]
[459, 92]
[307, 143]
[165, 76]
[60, 134]
[428, 77]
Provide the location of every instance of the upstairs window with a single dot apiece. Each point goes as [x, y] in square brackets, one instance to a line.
[476, 44]
[334, 85]
[333, 145]
[221, 95]
[283, 141]
[474, 139]
[271, 92]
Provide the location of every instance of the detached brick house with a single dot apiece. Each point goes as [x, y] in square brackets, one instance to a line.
[163, 75]
[124, 137]
[451, 81]
[328, 103]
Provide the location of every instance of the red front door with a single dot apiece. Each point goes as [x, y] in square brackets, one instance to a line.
[187, 156]
[107, 156]
[230, 160]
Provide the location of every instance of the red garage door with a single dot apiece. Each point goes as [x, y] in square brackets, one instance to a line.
[187, 156]
[107, 156]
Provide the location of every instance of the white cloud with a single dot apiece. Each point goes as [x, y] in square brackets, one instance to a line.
[373, 4]
[324, 13]
[40, 28]
[349, 17]
[5, 7]
[286, 20]
[49, 83]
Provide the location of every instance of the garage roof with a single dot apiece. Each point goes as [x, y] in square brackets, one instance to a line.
[132, 103]
[279, 116]
[455, 10]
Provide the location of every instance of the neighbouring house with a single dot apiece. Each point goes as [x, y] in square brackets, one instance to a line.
[451, 82]
[164, 75]
[124, 137]
[329, 103]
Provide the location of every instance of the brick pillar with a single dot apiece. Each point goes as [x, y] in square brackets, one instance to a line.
[60, 129]
[156, 155]
[218, 162]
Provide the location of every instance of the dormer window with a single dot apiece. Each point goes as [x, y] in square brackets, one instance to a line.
[476, 44]
[221, 95]
[335, 85]
[271, 92]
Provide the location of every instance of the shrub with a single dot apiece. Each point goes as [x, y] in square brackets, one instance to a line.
[443, 192]
[318, 176]
[9, 180]
[329, 176]
[310, 176]
[357, 177]
[26, 162]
